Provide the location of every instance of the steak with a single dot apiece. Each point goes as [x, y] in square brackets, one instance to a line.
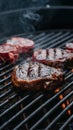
[14, 47]
[54, 57]
[36, 76]
[23, 45]
[8, 53]
[69, 46]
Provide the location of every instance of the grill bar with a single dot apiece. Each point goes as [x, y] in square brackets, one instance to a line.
[38, 35]
[48, 36]
[47, 40]
[3, 114]
[37, 109]
[11, 99]
[66, 123]
[6, 72]
[5, 79]
[5, 86]
[5, 94]
[55, 41]
[48, 113]
[6, 101]
[4, 67]
[25, 109]
[61, 114]
[20, 101]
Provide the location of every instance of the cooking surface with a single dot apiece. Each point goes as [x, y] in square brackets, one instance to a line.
[37, 110]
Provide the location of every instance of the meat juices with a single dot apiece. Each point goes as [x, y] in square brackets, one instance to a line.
[36, 76]
[54, 57]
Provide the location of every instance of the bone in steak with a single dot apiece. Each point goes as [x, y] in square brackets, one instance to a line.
[69, 46]
[23, 45]
[54, 57]
[8, 53]
[36, 76]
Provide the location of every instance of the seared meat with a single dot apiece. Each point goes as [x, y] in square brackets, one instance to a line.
[23, 45]
[36, 76]
[54, 57]
[8, 53]
[13, 47]
[69, 46]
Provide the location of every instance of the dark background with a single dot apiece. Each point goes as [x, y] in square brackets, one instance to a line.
[6, 5]
[30, 20]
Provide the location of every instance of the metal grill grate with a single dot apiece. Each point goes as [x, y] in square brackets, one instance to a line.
[37, 110]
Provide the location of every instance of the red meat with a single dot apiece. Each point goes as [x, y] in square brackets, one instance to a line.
[23, 45]
[54, 57]
[69, 46]
[36, 76]
[8, 53]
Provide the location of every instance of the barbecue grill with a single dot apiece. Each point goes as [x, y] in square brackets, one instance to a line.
[36, 110]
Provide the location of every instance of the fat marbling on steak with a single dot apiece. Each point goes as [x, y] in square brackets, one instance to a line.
[36, 76]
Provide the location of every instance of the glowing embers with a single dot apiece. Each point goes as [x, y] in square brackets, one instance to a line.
[67, 101]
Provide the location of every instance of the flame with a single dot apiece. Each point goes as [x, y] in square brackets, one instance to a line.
[63, 104]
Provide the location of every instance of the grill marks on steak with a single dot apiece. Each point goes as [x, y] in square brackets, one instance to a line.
[35, 76]
[54, 57]
[33, 71]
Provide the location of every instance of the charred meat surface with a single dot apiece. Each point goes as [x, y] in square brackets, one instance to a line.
[8, 53]
[54, 57]
[23, 45]
[69, 46]
[36, 76]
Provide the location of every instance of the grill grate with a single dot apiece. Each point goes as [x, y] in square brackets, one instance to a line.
[37, 110]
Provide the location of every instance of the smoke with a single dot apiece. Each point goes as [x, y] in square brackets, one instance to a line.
[29, 20]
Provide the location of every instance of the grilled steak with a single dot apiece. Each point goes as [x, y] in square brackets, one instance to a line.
[8, 53]
[23, 45]
[54, 57]
[69, 46]
[13, 47]
[36, 76]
